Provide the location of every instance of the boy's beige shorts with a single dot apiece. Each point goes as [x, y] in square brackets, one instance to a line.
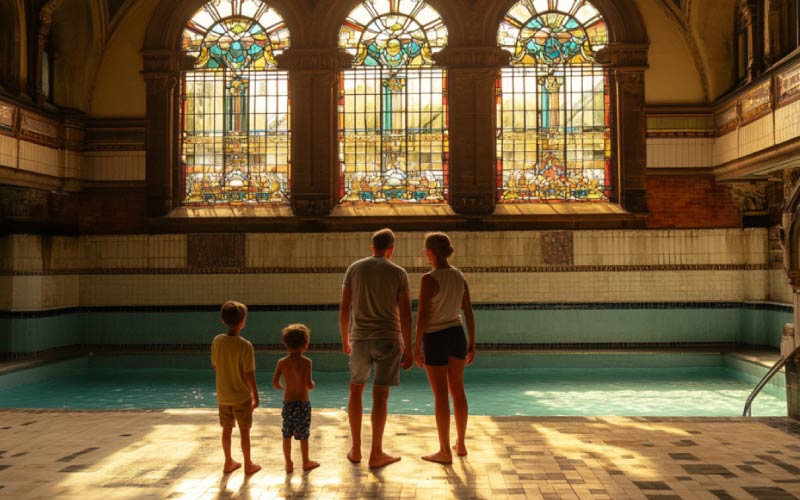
[241, 414]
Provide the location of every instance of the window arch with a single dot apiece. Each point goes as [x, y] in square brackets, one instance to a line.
[393, 105]
[554, 134]
[235, 106]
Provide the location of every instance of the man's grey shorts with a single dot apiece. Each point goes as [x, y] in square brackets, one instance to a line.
[383, 354]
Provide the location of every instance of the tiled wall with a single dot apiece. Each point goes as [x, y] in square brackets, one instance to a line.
[677, 149]
[680, 152]
[539, 287]
[63, 163]
[503, 267]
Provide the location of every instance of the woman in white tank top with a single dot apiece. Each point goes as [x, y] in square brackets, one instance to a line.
[441, 347]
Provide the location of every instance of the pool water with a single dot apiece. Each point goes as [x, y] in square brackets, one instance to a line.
[530, 390]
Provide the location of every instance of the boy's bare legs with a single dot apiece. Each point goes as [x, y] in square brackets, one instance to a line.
[287, 453]
[380, 399]
[230, 465]
[249, 466]
[355, 410]
[455, 378]
[307, 464]
[437, 377]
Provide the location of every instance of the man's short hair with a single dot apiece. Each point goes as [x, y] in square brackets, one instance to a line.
[383, 239]
[295, 336]
[233, 312]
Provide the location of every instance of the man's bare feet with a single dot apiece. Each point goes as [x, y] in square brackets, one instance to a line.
[354, 457]
[460, 449]
[251, 468]
[230, 466]
[382, 460]
[289, 466]
[439, 457]
[310, 465]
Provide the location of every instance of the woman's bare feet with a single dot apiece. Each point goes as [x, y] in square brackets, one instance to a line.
[230, 466]
[354, 457]
[439, 457]
[382, 460]
[310, 465]
[251, 468]
[460, 448]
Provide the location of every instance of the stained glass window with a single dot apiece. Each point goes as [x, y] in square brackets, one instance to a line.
[235, 119]
[393, 105]
[553, 104]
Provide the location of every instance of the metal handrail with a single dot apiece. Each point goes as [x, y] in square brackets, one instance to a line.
[767, 377]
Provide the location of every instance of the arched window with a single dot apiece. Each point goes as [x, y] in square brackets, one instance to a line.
[393, 105]
[235, 106]
[553, 104]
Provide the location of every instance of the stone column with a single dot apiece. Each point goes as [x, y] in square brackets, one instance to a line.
[161, 76]
[472, 74]
[627, 63]
[314, 91]
[749, 20]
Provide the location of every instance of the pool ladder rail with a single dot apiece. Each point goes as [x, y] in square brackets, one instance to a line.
[765, 379]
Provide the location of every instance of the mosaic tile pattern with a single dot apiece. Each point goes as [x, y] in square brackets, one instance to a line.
[175, 454]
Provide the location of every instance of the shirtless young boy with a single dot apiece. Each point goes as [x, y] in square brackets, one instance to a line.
[296, 372]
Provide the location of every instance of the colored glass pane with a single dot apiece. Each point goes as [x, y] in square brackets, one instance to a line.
[235, 113]
[554, 137]
[393, 105]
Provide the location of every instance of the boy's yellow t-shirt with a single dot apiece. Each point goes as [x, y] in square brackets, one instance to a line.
[233, 356]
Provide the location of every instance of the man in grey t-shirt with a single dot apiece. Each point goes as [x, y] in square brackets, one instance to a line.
[375, 323]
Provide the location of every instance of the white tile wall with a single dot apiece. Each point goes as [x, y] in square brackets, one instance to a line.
[39, 159]
[8, 151]
[787, 123]
[114, 166]
[39, 293]
[756, 136]
[474, 250]
[680, 152]
[726, 148]
[779, 288]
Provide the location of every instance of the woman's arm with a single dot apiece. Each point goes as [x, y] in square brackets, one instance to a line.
[469, 319]
[428, 288]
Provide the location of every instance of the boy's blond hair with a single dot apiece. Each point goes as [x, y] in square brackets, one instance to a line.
[295, 336]
[233, 313]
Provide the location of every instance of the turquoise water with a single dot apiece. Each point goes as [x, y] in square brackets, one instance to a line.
[675, 385]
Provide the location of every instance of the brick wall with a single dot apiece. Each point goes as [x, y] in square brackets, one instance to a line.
[690, 202]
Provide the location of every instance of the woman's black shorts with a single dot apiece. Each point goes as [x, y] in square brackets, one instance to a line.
[440, 345]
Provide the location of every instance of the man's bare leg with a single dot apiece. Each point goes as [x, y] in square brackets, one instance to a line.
[355, 410]
[380, 399]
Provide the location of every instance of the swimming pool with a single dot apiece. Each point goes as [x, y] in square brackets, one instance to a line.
[499, 383]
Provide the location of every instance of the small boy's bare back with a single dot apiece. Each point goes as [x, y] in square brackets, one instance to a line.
[296, 372]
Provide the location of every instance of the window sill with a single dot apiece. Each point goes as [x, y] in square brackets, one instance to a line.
[542, 216]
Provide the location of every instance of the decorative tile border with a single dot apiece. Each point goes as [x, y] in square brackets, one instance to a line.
[210, 269]
[522, 306]
[788, 83]
[756, 103]
[8, 117]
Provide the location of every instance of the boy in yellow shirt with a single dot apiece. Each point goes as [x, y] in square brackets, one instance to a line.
[237, 395]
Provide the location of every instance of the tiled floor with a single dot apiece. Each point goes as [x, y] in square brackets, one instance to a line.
[175, 454]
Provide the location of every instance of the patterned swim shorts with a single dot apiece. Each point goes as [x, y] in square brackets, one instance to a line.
[296, 419]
